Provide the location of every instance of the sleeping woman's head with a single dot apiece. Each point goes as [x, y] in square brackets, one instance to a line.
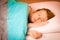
[40, 15]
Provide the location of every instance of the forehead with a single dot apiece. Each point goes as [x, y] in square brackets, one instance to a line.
[41, 11]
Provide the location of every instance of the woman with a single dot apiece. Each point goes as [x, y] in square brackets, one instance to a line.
[38, 18]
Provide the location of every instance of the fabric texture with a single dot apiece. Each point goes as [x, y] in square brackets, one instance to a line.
[3, 23]
[17, 20]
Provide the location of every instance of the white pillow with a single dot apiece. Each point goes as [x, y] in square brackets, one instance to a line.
[54, 23]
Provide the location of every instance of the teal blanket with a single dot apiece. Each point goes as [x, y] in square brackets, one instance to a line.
[17, 20]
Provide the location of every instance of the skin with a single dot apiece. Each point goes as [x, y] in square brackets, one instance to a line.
[35, 34]
[37, 18]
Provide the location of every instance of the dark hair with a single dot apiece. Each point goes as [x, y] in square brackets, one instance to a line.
[49, 13]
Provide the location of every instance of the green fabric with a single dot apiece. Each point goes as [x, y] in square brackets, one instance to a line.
[17, 20]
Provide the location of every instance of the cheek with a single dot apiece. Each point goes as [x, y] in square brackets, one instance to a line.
[45, 18]
[33, 18]
[44, 15]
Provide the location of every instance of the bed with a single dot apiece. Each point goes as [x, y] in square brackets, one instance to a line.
[51, 31]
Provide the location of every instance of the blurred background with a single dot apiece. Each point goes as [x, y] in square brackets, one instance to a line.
[29, 1]
[33, 1]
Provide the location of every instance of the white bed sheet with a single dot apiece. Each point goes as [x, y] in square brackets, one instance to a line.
[47, 36]
[54, 23]
[51, 31]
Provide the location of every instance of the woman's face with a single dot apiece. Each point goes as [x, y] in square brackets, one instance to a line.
[39, 16]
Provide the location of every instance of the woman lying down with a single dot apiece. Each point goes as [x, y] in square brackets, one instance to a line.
[36, 19]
